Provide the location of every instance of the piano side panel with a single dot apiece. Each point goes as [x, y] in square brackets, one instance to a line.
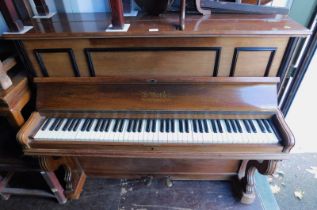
[145, 56]
[156, 96]
[176, 169]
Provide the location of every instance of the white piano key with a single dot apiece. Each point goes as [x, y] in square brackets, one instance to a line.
[158, 137]
[43, 134]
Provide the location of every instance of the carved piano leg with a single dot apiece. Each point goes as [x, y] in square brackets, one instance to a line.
[75, 177]
[265, 167]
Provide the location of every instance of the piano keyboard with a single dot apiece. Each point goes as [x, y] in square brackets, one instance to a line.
[159, 131]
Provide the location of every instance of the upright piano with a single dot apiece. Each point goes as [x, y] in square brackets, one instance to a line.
[197, 104]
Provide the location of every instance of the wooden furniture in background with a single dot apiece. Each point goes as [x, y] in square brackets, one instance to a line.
[41, 7]
[13, 98]
[117, 19]
[24, 9]
[13, 165]
[11, 16]
[5, 66]
[238, 6]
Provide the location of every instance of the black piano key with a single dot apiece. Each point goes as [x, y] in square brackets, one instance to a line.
[84, 125]
[195, 126]
[233, 126]
[108, 123]
[228, 126]
[148, 125]
[186, 126]
[172, 122]
[213, 125]
[219, 126]
[180, 123]
[129, 129]
[220, 129]
[58, 125]
[67, 124]
[261, 126]
[206, 126]
[71, 125]
[140, 125]
[89, 125]
[102, 125]
[98, 124]
[52, 127]
[238, 126]
[247, 126]
[135, 126]
[252, 126]
[45, 125]
[153, 125]
[267, 125]
[200, 126]
[74, 125]
[162, 126]
[121, 125]
[116, 125]
[167, 126]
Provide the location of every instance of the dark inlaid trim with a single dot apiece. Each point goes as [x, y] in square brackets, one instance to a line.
[23, 55]
[38, 52]
[253, 49]
[88, 52]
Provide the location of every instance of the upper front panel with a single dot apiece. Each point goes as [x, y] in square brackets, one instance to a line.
[192, 57]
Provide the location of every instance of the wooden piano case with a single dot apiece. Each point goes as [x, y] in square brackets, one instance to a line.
[137, 97]
[154, 70]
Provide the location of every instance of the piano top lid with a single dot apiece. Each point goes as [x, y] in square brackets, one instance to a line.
[164, 94]
[93, 25]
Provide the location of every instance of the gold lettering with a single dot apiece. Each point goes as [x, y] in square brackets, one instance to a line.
[154, 95]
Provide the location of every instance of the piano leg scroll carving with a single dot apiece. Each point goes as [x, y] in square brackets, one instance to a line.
[265, 167]
[74, 177]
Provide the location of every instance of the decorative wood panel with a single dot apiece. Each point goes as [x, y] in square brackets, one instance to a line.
[103, 63]
[133, 167]
[153, 61]
[252, 61]
[57, 62]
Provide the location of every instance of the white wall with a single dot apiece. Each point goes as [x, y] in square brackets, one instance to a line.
[302, 116]
[78, 5]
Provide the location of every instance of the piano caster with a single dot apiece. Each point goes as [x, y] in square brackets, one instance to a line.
[168, 182]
